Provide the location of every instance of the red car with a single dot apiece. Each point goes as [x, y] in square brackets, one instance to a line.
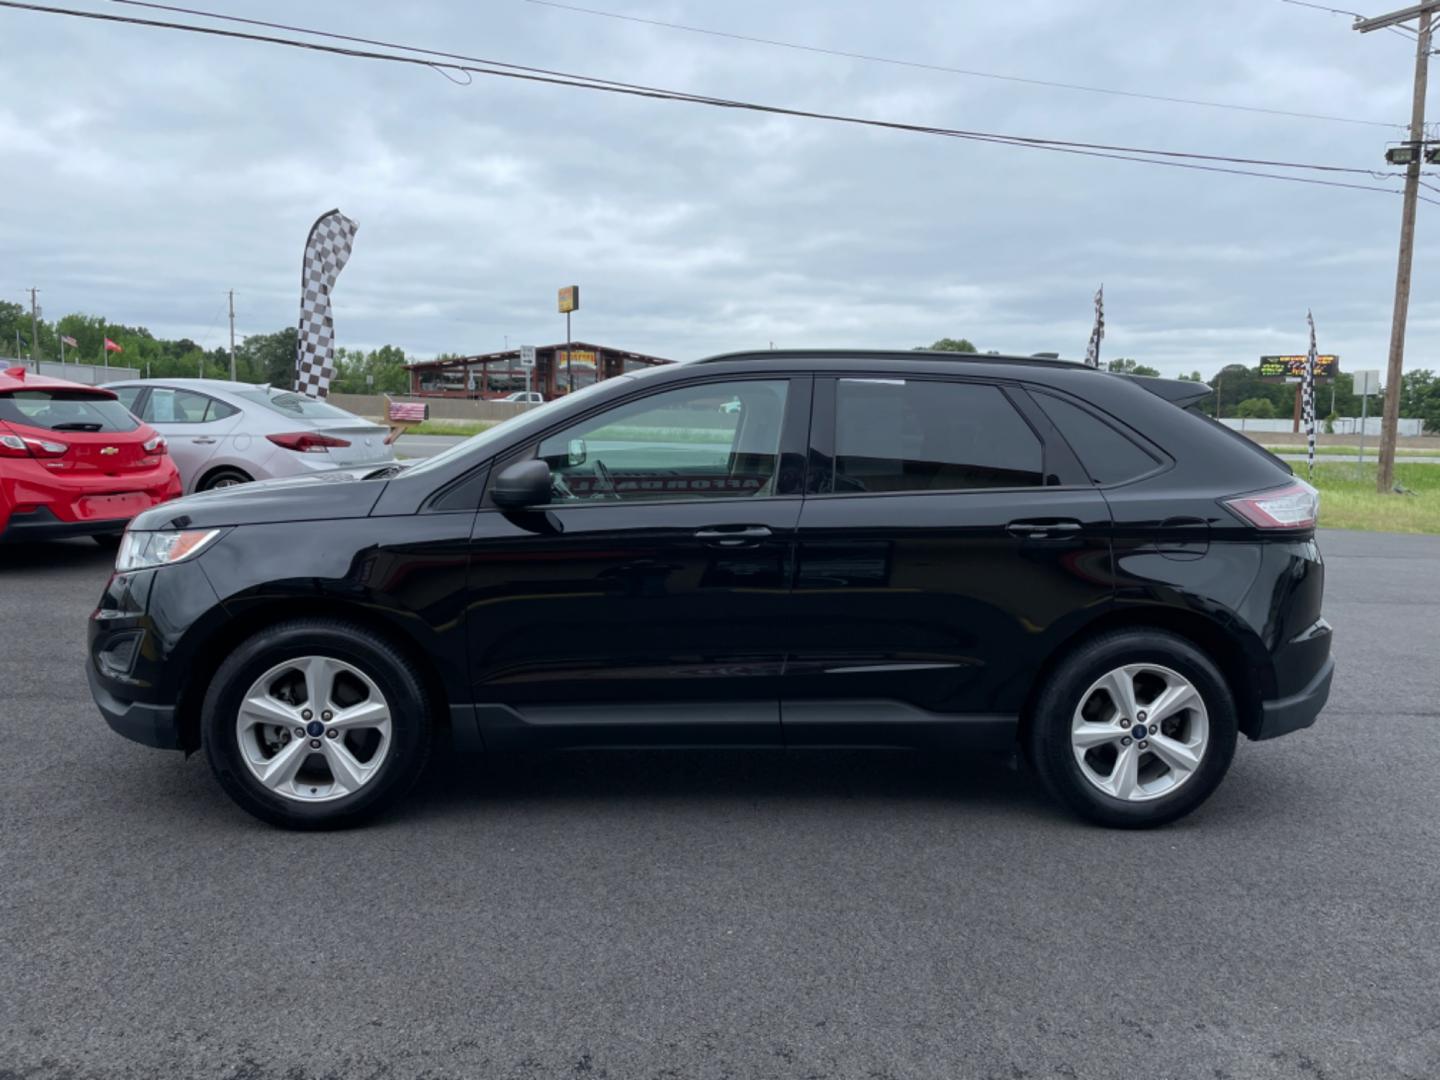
[73, 461]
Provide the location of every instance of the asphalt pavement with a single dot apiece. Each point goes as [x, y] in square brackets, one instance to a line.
[706, 915]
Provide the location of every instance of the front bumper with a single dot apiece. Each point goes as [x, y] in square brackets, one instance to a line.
[1299, 710]
[152, 725]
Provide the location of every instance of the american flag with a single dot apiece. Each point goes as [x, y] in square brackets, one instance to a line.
[1097, 335]
[1307, 399]
[327, 249]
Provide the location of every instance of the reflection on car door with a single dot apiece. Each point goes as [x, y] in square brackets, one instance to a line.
[659, 573]
[940, 547]
[194, 424]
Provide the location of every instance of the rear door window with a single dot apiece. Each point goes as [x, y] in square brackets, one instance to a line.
[169, 406]
[896, 435]
[1107, 456]
[66, 410]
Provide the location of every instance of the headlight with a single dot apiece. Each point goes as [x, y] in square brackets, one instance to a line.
[141, 550]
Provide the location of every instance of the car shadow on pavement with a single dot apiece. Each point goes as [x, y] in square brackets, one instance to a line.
[453, 783]
[56, 555]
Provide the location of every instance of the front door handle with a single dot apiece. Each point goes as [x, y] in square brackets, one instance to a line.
[1041, 528]
[733, 535]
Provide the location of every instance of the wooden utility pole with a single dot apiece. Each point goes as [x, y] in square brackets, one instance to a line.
[232, 335]
[1385, 474]
[34, 327]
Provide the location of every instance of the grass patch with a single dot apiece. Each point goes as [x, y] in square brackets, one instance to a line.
[1348, 499]
[1371, 449]
[452, 427]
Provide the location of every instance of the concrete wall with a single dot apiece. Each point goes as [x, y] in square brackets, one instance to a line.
[89, 374]
[1343, 426]
[373, 405]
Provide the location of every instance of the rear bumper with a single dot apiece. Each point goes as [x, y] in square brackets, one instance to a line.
[42, 524]
[152, 725]
[1298, 711]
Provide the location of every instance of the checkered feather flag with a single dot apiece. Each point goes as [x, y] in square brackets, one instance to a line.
[1307, 399]
[327, 250]
[1097, 335]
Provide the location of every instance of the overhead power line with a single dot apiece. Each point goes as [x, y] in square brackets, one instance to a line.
[1140, 155]
[571, 78]
[968, 72]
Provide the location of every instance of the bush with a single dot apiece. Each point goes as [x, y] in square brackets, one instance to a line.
[1256, 409]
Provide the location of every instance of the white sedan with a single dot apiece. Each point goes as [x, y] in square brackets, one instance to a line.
[227, 433]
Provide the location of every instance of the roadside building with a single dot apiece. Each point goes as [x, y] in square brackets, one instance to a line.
[486, 376]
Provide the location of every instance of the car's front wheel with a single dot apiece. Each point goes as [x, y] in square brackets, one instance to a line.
[1133, 729]
[316, 723]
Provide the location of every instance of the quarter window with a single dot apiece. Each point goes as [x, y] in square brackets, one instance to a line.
[720, 440]
[1107, 456]
[920, 435]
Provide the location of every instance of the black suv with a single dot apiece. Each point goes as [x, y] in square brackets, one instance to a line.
[779, 549]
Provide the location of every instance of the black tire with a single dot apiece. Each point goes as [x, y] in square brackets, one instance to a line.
[224, 477]
[391, 671]
[1048, 740]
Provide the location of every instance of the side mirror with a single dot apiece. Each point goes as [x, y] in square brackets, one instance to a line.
[525, 483]
[577, 452]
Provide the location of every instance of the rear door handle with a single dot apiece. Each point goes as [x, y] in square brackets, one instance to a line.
[203, 440]
[733, 536]
[1041, 528]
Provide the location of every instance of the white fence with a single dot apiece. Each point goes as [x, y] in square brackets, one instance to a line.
[1343, 425]
[89, 374]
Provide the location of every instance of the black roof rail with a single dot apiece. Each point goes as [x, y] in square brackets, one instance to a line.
[890, 354]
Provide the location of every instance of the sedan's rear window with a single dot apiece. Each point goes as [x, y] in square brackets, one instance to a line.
[287, 403]
[66, 410]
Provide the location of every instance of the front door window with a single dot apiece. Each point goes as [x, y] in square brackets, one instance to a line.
[720, 440]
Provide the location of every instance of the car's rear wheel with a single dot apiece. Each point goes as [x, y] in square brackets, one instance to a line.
[316, 724]
[224, 478]
[1133, 729]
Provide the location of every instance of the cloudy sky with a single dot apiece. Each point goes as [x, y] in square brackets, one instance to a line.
[146, 172]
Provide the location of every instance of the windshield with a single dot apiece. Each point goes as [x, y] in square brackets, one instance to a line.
[477, 444]
[288, 403]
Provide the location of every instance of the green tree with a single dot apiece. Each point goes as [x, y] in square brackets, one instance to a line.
[1126, 366]
[950, 344]
[1256, 409]
[1419, 396]
[267, 358]
[380, 371]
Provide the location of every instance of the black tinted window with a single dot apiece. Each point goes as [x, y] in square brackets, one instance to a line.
[916, 435]
[1107, 456]
[66, 410]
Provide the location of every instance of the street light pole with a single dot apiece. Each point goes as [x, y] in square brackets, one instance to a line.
[1385, 472]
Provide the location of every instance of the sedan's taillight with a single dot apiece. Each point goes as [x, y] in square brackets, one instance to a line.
[1294, 506]
[307, 442]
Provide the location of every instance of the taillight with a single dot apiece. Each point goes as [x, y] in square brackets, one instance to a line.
[307, 442]
[156, 445]
[1294, 506]
[17, 446]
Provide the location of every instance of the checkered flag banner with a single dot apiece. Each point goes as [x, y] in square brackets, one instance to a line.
[327, 250]
[1097, 335]
[1307, 400]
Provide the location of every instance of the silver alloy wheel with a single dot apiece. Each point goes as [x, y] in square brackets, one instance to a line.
[1140, 732]
[314, 729]
[224, 482]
